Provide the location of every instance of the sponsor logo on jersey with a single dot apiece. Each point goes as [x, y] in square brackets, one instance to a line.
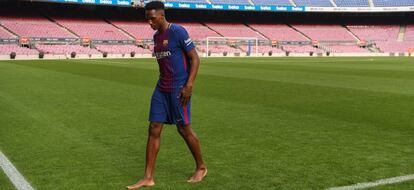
[162, 54]
[165, 42]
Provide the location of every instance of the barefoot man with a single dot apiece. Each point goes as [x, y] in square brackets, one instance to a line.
[171, 101]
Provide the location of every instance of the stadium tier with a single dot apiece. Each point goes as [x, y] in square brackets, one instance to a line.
[313, 3]
[34, 27]
[325, 32]
[393, 3]
[9, 48]
[188, 1]
[122, 49]
[307, 3]
[137, 29]
[384, 36]
[232, 2]
[65, 49]
[352, 3]
[4, 34]
[218, 49]
[272, 2]
[141, 29]
[280, 32]
[409, 33]
[375, 32]
[234, 30]
[346, 49]
[262, 49]
[301, 49]
[198, 31]
[394, 46]
[93, 28]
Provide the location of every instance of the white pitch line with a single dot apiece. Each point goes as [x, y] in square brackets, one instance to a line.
[14, 175]
[392, 180]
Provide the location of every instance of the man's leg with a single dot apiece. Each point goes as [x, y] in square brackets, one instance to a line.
[153, 146]
[194, 145]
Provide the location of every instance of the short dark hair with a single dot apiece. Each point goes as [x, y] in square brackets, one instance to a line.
[154, 5]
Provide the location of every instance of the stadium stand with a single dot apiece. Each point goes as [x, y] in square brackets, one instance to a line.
[122, 49]
[141, 30]
[346, 49]
[218, 49]
[375, 32]
[35, 26]
[409, 33]
[137, 29]
[65, 49]
[188, 1]
[393, 3]
[197, 31]
[92, 28]
[6, 49]
[313, 3]
[394, 46]
[301, 49]
[352, 3]
[272, 2]
[280, 32]
[234, 30]
[262, 49]
[232, 2]
[4, 34]
[325, 32]
[384, 36]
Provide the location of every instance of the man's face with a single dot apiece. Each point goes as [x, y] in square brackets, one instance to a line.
[155, 18]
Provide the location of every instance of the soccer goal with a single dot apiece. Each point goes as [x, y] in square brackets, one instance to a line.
[239, 46]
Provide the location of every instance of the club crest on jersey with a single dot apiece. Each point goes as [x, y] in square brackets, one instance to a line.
[165, 42]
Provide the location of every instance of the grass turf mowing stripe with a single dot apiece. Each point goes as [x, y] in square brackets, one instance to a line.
[14, 175]
[392, 180]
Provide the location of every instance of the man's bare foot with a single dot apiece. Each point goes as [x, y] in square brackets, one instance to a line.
[142, 183]
[198, 175]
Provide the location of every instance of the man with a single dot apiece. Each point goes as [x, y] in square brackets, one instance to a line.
[170, 103]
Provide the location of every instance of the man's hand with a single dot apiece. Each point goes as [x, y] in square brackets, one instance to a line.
[186, 91]
[185, 95]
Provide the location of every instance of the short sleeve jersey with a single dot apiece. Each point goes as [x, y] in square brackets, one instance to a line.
[170, 49]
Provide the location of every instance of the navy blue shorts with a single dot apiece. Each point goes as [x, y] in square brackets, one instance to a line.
[166, 108]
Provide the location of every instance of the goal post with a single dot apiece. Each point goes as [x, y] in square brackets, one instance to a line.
[247, 45]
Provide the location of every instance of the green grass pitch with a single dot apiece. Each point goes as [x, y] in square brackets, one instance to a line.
[264, 123]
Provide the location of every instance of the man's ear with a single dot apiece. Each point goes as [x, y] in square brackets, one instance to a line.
[161, 12]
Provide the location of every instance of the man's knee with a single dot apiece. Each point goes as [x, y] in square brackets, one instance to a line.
[155, 129]
[184, 130]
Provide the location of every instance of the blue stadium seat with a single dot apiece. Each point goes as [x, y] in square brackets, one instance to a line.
[188, 1]
[272, 2]
[234, 2]
[352, 3]
[314, 3]
[393, 3]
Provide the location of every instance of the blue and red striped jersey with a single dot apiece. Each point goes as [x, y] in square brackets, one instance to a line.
[170, 49]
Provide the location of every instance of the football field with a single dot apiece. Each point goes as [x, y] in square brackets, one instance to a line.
[263, 123]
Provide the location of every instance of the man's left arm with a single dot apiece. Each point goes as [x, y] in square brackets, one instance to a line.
[188, 88]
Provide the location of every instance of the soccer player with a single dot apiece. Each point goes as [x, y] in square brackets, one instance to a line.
[170, 103]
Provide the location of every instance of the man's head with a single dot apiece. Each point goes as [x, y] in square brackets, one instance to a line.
[155, 15]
